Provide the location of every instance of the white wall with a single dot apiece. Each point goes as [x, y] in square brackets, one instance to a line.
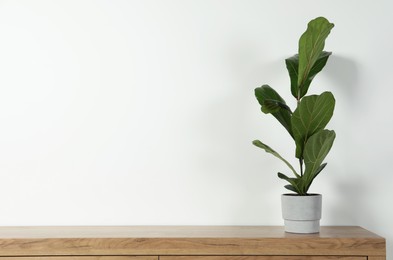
[142, 112]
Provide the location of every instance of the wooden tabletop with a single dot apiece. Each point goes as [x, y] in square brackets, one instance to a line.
[186, 240]
[177, 232]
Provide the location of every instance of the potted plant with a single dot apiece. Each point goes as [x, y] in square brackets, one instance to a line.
[306, 125]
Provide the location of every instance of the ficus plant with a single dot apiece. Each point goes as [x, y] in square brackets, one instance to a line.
[306, 124]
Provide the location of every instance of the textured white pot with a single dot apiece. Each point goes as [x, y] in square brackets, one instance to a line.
[301, 213]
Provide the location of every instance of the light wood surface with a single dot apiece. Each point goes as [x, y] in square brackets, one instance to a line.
[263, 258]
[189, 258]
[178, 231]
[187, 240]
[79, 257]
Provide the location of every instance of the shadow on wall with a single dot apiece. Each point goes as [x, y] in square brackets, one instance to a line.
[343, 73]
[349, 207]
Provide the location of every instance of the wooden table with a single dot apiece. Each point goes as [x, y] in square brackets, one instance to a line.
[188, 243]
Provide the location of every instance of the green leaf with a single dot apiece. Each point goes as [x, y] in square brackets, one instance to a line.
[311, 45]
[292, 64]
[291, 188]
[282, 176]
[316, 68]
[320, 168]
[315, 151]
[312, 115]
[273, 106]
[271, 151]
[297, 184]
[267, 97]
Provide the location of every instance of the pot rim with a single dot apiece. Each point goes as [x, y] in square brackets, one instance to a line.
[297, 195]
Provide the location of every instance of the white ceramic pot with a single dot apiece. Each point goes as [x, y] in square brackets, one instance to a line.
[301, 213]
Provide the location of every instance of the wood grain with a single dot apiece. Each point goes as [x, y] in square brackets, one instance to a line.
[263, 258]
[186, 240]
[178, 231]
[81, 258]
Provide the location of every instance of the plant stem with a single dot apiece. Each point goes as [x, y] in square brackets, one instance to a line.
[301, 166]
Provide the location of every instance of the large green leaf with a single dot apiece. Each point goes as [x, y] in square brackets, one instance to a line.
[312, 114]
[268, 149]
[311, 45]
[313, 176]
[315, 151]
[272, 102]
[292, 64]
